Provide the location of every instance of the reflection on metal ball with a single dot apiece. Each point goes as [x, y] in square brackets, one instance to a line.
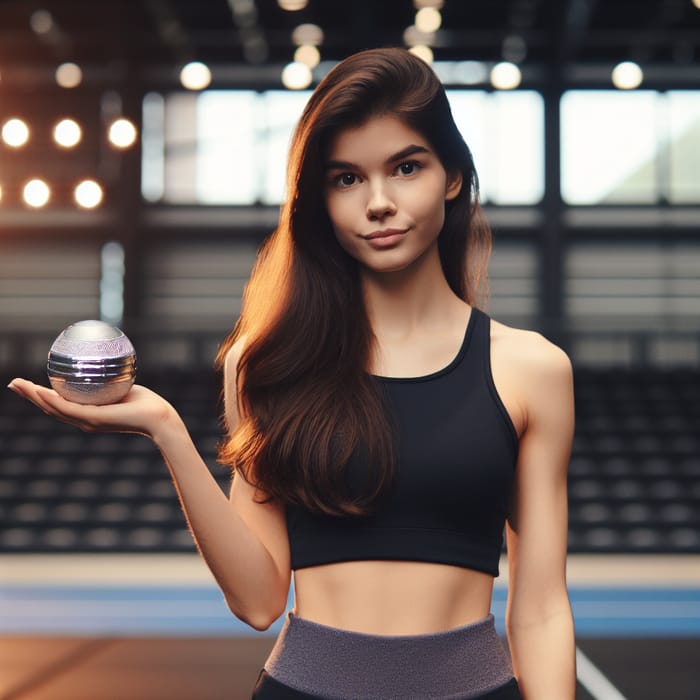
[92, 362]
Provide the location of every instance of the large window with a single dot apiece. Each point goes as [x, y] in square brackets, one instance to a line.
[640, 147]
[505, 132]
[230, 147]
[218, 147]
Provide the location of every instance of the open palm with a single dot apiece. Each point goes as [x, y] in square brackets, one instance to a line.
[140, 411]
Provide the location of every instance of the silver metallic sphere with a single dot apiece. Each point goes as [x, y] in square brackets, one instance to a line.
[92, 362]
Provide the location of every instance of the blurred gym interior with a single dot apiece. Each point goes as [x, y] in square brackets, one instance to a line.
[142, 157]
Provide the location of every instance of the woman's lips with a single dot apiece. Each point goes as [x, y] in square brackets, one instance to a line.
[385, 238]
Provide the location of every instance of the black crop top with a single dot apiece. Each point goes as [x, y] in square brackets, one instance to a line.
[457, 454]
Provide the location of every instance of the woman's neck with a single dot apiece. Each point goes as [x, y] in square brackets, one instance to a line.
[411, 301]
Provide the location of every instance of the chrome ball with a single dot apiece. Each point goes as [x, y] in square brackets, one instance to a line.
[92, 362]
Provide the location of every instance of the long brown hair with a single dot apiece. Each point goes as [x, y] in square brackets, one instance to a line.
[305, 397]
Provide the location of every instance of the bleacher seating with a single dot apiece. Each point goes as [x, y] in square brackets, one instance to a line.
[634, 475]
[62, 490]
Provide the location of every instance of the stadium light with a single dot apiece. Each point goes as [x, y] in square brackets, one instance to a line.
[69, 75]
[505, 76]
[122, 133]
[627, 76]
[67, 133]
[88, 194]
[15, 132]
[36, 193]
[296, 76]
[195, 76]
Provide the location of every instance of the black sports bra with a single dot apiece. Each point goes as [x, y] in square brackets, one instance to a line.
[457, 454]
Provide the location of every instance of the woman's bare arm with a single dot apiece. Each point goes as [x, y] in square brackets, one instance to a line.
[254, 584]
[539, 620]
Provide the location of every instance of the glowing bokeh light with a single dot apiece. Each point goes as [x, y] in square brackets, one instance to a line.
[122, 133]
[67, 133]
[36, 193]
[412, 36]
[627, 76]
[88, 194]
[307, 34]
[195, 76]
[292, 5]
[428, 19]
[296, 76]
[308, 55]
[41, 22]
[419, 4]
[15, 132]
[69, 75]
[505, 76]
[422, 51]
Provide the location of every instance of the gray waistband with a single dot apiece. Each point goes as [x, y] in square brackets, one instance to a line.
[334, 663]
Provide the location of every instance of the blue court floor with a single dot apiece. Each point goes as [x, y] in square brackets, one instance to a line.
[200, 610]
[133, 628]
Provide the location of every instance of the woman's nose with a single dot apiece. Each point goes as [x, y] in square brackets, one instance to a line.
[380, 203]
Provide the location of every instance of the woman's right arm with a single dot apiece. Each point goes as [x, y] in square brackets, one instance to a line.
[243, 543]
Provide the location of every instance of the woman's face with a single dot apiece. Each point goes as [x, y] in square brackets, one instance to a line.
[385, 192]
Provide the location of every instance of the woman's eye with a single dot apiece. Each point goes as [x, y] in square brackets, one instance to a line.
[410, 167]
[343, 180]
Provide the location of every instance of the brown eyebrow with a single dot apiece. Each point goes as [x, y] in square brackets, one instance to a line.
[400, 155]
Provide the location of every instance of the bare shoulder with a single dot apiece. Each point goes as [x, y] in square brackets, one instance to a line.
[533, 375]
[529, 351]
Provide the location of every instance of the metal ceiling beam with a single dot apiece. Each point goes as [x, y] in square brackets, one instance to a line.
[576, 23]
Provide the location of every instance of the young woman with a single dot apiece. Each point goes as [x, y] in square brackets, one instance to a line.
[383, 429]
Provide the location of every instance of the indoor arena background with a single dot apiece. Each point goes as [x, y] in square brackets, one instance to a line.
[137, 193]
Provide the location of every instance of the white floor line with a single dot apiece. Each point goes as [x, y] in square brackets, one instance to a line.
[594, 681]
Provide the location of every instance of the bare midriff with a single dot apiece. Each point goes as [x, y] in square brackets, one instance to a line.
[392, 597]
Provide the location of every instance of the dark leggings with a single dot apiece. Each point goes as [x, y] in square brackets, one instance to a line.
[267, 688]
[311, 660]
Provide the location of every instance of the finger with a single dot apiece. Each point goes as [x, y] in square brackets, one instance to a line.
[127, 416]
[38, 396]
[53, 404]
[24, 386]
[44, 396]
[18, 385]
[47, 409]
[27, 390]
